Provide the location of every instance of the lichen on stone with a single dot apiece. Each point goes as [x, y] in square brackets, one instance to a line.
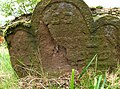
[10, 28]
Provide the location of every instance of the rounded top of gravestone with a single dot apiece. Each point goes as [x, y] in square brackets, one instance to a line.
[108, 20]
[80, 5]
[10, 29]
[25, 17]
[108, 41]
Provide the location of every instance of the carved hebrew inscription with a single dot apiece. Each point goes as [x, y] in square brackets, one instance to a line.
[68, 28]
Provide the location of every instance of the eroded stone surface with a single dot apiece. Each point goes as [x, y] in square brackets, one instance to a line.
[69, 23]
[53, 56]
[22, 51]
[68, 28]
[108, 41]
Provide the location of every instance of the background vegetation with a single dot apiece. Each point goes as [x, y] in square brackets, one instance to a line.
[17, 7]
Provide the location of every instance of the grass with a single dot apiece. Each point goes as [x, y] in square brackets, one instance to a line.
[8, 78]
[88, 79]
[72, 79]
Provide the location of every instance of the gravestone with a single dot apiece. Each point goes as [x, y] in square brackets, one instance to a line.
[22, 49]
[63, 26]
[61, 37]
[108, 42]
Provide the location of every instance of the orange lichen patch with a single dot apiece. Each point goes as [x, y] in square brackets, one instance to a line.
[1, 39]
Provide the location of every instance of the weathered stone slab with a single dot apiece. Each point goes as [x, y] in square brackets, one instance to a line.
[53, 56]
[61, 37]
[68, 24]
[107, 39]
[22, 49]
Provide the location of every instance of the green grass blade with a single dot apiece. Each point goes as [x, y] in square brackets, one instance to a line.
[95, 82]
[99, 81]
[103, 85]
[96, 62]
[72, 80]
[85, 69]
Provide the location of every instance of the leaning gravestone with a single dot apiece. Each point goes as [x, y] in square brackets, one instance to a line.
[61, 37]
[108, 42]
[63, 25]
[22, 49]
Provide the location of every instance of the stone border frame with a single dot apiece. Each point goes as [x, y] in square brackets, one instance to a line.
[10, 29]
[80, 4]
[107, 20]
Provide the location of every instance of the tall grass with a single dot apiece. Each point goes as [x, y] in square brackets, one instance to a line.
[8, 79]
[90, 80]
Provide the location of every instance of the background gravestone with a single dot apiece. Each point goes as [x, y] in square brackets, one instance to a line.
[108, 41]
[22, 49]
[68, 24]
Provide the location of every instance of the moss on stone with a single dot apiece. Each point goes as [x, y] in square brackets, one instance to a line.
[107, 40]
[10, 28]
